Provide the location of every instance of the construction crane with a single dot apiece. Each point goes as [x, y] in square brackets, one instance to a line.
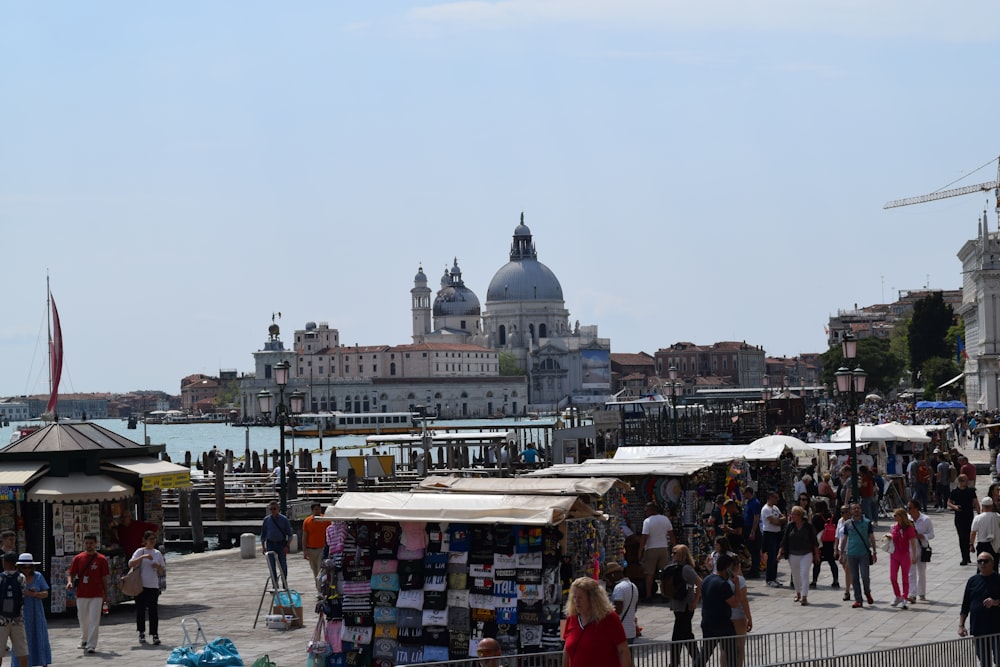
[944, 194]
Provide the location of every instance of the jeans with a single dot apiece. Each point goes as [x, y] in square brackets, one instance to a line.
[772, 542]
[753, 546]
[860, 575]
[148, 600]
[727, 639]
[963, 526]
[869, 507]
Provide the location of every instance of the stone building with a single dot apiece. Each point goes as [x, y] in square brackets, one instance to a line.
[980, 259]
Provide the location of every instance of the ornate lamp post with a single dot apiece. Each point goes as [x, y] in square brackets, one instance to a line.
[852, 383]
[264, 399]
[672, 374]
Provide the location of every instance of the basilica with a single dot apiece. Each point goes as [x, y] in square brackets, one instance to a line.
[453, 364]
[526, 317]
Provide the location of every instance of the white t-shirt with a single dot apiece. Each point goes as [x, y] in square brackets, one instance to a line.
[628, 594]
[658, 528]
[769, 511]
[150, 577]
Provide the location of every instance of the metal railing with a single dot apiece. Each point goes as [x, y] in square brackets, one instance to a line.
[958, 652]
[753, 650]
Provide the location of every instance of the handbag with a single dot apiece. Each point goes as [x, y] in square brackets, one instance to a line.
[926, 553]
[132, 582]
[888, 545]
[318, 644]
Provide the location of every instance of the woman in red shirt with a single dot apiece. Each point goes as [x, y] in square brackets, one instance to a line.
[594, 634]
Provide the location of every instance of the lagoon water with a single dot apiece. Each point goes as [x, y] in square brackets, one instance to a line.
[198, 438]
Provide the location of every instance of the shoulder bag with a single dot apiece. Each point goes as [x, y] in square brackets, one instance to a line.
[318, 644]
[871, 556]
[132, 582]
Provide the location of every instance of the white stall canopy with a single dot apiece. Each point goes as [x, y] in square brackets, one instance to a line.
[533, 486]
[459, 508]
[78, 488]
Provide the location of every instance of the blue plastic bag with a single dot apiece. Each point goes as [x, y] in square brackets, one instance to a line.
[220, 652]
[288, 599]
[183, 655]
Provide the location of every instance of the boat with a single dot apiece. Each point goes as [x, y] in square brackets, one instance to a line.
[55, 370]
[308, 424]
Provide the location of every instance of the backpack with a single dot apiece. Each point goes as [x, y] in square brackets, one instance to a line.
[923, 473]
[952, 472]
[829, 533]
[672, 584]
[11, 594]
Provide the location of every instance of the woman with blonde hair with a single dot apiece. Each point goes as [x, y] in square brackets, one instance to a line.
[904, 552]
[683, 607]
[594, 635]
[799, 543]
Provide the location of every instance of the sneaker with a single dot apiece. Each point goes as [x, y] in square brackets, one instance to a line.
[91, 649]
[142, 637]
[871, 600]
[835, 585]
[773, 584]
[895, 603]
[856, 605]
[156, 640]
[905, 604]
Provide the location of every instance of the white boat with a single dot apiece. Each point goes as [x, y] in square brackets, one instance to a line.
[353, 423]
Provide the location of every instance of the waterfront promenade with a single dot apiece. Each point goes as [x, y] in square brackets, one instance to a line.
[223, 591]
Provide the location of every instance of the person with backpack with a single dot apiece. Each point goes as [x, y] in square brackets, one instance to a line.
[87, 576]
[11, 610]
[683, 600]
[826, 528]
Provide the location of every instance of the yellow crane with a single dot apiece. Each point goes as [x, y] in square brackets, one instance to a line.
[944, 194]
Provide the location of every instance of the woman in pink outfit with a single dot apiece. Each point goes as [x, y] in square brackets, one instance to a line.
[904, 552]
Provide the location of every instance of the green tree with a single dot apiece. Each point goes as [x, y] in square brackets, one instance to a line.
[929, 325]
[228, 394]
[899, 341]
[875, 358]
[508, 364]
[936, 371]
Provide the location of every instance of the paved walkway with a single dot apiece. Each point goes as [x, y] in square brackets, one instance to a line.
[223, 592]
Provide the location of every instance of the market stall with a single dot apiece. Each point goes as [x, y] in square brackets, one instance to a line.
[70, 479]
[424, 576]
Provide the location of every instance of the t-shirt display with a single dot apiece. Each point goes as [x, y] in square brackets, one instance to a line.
[414, 591]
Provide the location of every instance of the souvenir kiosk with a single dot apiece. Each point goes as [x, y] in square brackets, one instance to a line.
[425, 575]
[69, 479]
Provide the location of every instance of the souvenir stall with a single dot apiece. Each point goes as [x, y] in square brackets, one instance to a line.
[85, 478]
[683, 480]
[424, 576]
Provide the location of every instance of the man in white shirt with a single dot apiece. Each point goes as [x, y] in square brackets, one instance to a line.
[654, 549]
[625, 597]
[772, 523]
[925, 533]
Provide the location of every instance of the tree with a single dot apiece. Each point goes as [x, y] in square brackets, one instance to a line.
[936, 372]
[928, 330]
[508, 364]
[228, 393]
[875, 358]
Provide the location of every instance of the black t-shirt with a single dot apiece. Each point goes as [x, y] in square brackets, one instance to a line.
[964, 499]
[735, 521]
[982, 621]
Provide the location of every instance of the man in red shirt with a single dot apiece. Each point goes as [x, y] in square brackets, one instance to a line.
[969, 471]
[90, 570]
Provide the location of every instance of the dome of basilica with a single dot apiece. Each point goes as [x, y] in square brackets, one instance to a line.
[524, 278]
[454, 298]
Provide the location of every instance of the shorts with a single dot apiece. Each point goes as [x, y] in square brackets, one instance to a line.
[654, 560]
[13, 629]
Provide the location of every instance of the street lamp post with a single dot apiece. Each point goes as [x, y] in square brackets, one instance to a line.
[672, 374]
[852, 383]
[264, 399]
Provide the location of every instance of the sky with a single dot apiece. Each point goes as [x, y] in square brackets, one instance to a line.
[690, 171]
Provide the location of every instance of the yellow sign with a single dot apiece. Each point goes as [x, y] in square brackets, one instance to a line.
[175, 480]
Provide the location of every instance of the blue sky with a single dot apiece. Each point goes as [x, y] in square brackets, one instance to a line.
[690, 171]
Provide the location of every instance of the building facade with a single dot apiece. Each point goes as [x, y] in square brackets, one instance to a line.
[980, 309]
[735, 364]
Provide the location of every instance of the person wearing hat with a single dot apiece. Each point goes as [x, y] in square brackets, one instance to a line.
[12, 628]
[624, 596]
[314, 539]
[985, 532]
[36, 628]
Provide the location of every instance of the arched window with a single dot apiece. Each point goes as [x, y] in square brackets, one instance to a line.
[503, 340]
[392, 368]
[542, 331]
[531, 332]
